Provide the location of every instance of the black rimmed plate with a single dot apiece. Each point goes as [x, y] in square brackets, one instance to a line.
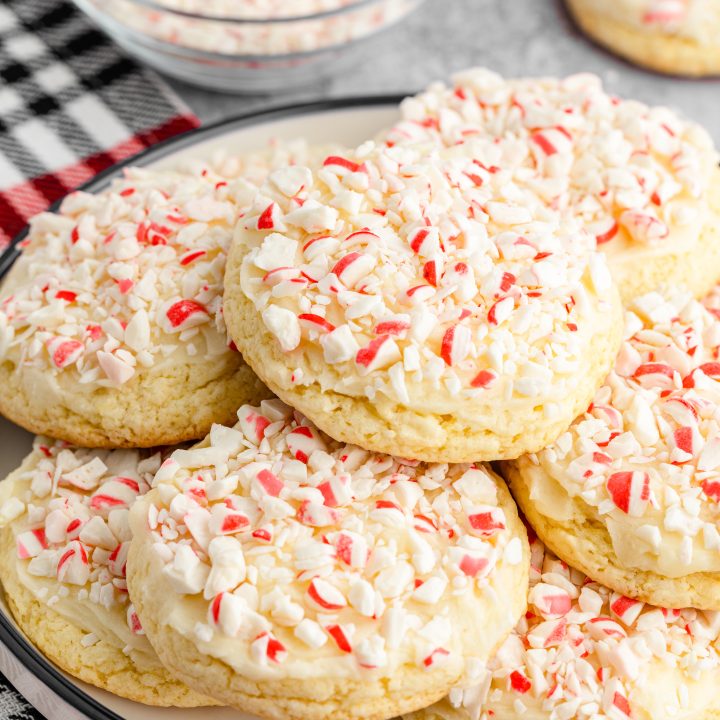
[345, 121]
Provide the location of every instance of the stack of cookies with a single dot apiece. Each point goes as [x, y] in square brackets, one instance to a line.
[518, 272]
[679, 37]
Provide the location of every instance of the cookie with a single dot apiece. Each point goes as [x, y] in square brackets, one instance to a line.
[412, 301]
[642, 180]
[585, 652]
[64, 541]
[111, 326]
[678, 37]
[630, 493]
[293, 577]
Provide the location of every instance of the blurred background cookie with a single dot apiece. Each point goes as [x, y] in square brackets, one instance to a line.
[679, 37]
[291, 576]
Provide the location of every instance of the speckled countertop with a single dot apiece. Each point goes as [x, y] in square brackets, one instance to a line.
[513, 37]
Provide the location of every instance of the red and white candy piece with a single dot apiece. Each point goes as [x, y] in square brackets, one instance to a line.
[184, 314]
[325, 595]
[377, 354]
[351, 548]
[424, 241]
[550, 600]
[550, 141]
[486, 520]
[630, 491]
[303, 442]
[353, 267]
[252, 423]
[72, 564]
[643, 227]
[267, 648]
[625, 608]
[341, 165]
[31, 543]
[456, 344]
[64, 352]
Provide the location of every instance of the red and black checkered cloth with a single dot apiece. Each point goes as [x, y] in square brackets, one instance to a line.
[71, 104]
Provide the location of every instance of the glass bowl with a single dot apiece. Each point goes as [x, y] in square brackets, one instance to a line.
[247, 45]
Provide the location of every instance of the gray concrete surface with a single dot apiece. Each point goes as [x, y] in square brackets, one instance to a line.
[513, 37]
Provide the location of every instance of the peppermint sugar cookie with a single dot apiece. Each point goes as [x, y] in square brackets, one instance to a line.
[413, 301]
[630, 493]
[291, 576]
[111, 326]
[642, 180]
[680, 37]
[63, 548]
[587, 653]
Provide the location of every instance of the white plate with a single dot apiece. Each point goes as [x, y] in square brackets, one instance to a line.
[348, 122]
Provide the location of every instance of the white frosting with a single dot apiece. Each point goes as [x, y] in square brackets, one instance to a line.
[291, 555]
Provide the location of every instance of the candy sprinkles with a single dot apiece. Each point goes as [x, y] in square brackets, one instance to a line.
[644, 460]
[616, 164]
[640, 179]
[283, 554]
[424, 283]
[584, 652]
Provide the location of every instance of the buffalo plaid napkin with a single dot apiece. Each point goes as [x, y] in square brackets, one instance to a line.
[71, 104]
[14, 707]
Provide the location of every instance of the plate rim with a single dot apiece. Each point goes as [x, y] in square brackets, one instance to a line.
[21, 648]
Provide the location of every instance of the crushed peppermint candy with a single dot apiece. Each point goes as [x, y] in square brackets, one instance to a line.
[233, 28]
[584, 652]
[68, 510]
[626, 171]
[297, 546]
[416, 275]
[645, 456]
[121, 281]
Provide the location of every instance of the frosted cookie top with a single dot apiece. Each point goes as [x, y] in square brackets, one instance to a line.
[697, 20]
[585, 652]
[632, 174]
[130, 278]
[420, 276]
[646, 454]
[68, 512]
[293, 555]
